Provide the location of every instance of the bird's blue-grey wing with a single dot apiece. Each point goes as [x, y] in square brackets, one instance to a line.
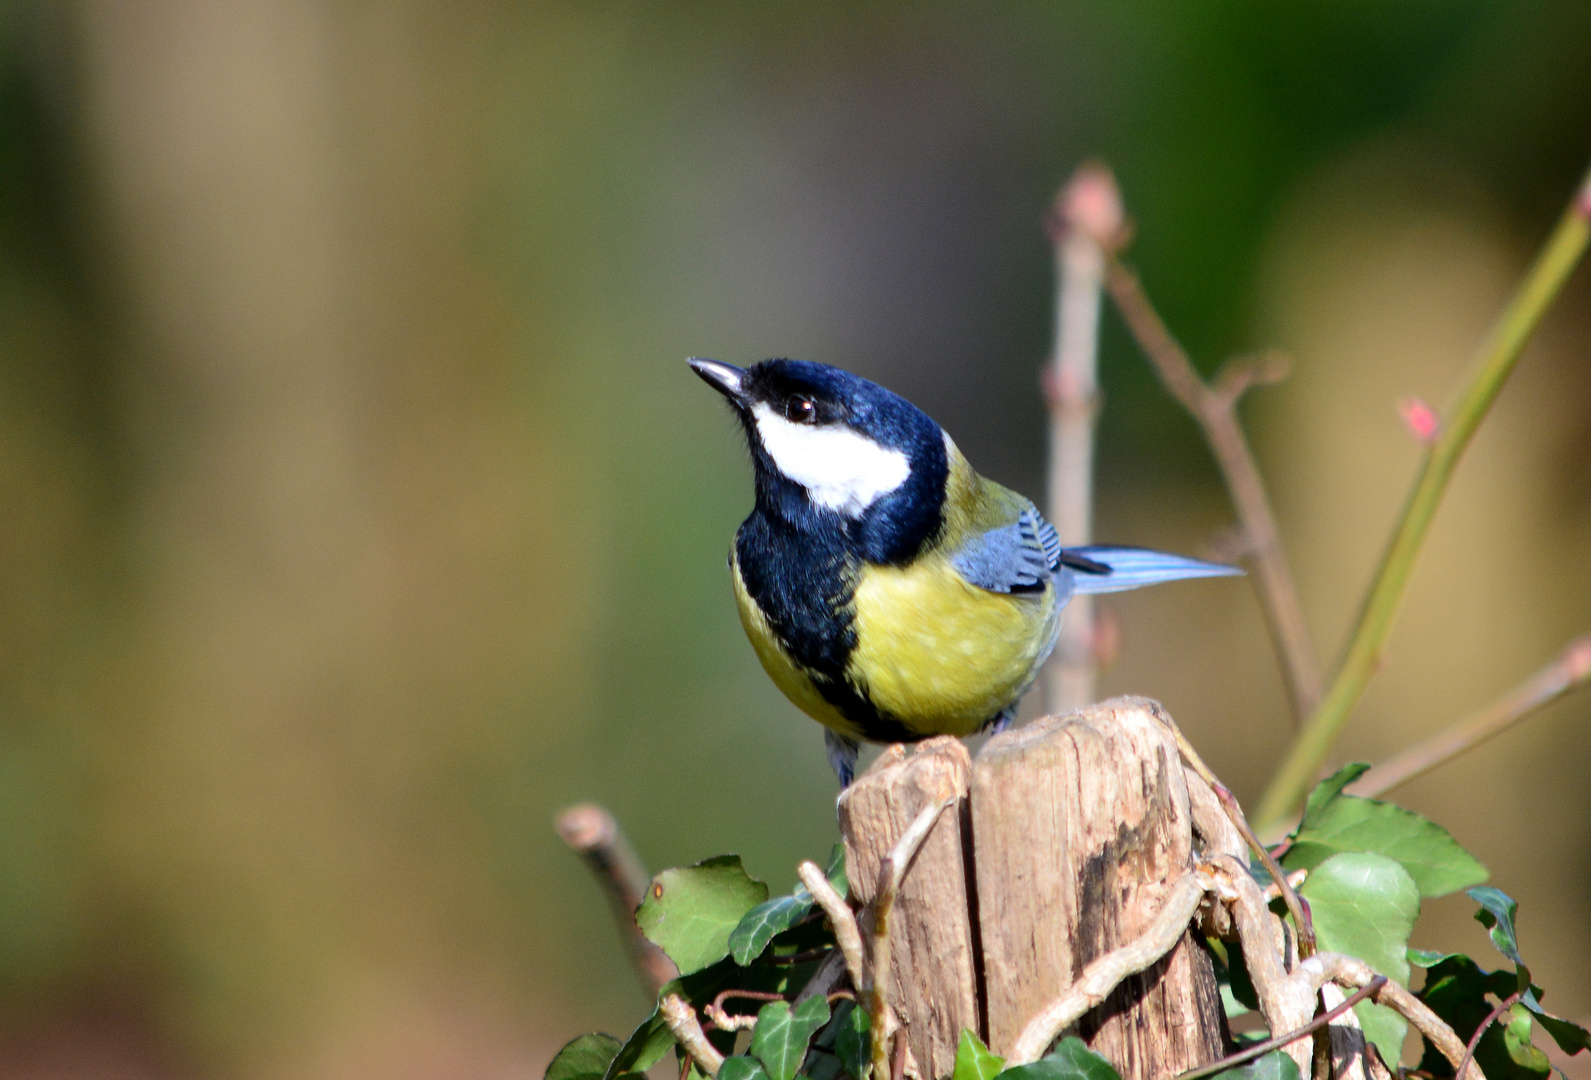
[1013, 558]
[1022, 556]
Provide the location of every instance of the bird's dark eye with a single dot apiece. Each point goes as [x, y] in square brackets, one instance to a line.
[800, 410]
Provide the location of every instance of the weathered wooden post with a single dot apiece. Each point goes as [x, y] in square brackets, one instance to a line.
[934, 961]
[1064, 840]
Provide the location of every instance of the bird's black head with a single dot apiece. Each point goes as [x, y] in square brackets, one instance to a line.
[833, 450]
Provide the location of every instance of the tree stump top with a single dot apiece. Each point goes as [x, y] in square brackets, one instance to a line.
[1062, 842]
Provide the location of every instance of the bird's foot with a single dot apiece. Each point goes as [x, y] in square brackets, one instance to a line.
[842, 756]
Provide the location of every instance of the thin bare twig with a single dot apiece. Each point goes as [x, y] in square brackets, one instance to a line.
[1320, 1042]
[681, 1020]
[725, 1021]
[1295, 880]
[1347, 971]
[1087, 208]
[1493, 363]
[847, 934]
[593, 834]
[829, 975]
[1296, 905]
[1571, 670]
[1475, 1039]
[1262, 1048]
[891, 872]
[897, 1063]
[1284, 1002]
[1214, 408]
[1106, 973]
[1287, 1000]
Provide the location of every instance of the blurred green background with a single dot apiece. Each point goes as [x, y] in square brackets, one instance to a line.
[359, 511]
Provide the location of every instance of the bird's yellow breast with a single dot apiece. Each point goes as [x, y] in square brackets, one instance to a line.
[943, 656]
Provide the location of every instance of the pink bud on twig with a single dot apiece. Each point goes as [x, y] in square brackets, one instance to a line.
[1090, 203]
[1577, 660]
[1422, 421]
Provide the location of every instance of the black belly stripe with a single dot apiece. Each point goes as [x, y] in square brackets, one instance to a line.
[803, 583]
[875, 726]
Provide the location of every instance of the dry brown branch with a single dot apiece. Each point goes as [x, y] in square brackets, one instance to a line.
[1296, 905]
[897, 1061]
[1210, 821]
[1214, 407]
[1347, 971]
[593, 834]
[725, 1021]
[828, 976]
[1569, 671]
[846, 932]
[1087, 208]
[891, 871]
[1285, 1003]
[681, 1020]
[1260, 1049]
[1353, 1057]
[1491, 1018]
[1294, 880]
[1102, 976]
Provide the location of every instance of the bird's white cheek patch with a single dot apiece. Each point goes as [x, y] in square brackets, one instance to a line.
[841, 469]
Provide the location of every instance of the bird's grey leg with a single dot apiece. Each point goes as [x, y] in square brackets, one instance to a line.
[842, 756]
[1003, 721]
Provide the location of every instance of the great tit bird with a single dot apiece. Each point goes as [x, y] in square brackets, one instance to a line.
[890, 591]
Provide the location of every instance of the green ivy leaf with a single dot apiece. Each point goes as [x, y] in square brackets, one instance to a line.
[1457, 976]
[752, 934]
[1334, 823]
[1516, 1038]
[835, 871]
[1365, 905]
[1327, 791]
[1456, 990]
[1231, 971]
[831, 1030]
[690, 912]
[975, 1061]
[1570, 1037]
[585, 1058]
[767, 920]
[1070, 1060]
[652, 1039]
[741, 1068]
[781, 1036]
[1497, 913]
[1272, 1066]
[823, 1066]
[644, 1048]
[854, 1041]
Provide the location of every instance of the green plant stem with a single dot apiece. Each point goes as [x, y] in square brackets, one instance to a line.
[1366, 649]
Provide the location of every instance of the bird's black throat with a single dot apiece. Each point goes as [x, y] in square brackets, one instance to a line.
[800, 563]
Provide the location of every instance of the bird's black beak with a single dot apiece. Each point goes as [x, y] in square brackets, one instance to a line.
[725, 378]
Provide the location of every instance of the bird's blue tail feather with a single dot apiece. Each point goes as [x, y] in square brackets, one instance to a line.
[1133, 568]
